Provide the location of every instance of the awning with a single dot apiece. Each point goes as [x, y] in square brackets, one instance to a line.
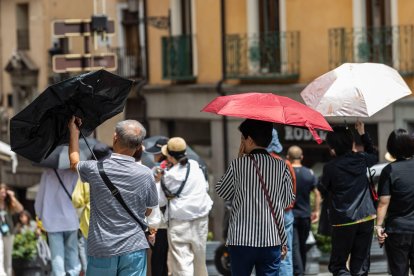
[8, 155]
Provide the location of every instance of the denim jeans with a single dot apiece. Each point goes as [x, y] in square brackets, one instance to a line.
[286, 265]
[64, 253]
[82, 251]
[265, 260]
[131, 264]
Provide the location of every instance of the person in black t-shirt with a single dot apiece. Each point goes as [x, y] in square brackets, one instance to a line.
[306, 183]
[396, 191]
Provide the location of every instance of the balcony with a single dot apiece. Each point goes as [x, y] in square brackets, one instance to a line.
[129, 63]
[273, 56]
[392, 45]
[177, 58]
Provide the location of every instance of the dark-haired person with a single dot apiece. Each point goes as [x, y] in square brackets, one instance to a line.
[256, 234]
[188, 204]
[396, 204]
[9, 205]
[351, 207]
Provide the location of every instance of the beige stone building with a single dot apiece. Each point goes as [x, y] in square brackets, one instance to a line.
[188, 52]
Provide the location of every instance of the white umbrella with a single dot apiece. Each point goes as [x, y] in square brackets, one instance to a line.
[355, 89]
[7, 154]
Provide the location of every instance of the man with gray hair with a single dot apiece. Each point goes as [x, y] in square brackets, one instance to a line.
[116, 242]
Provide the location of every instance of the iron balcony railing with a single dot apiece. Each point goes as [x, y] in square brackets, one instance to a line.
[273, 55]
[391, 45]
[129, 63]
[177, 58]
[23, 42]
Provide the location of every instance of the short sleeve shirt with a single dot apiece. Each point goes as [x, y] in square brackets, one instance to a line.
[112, 230]
[397, 181]
[306, 181]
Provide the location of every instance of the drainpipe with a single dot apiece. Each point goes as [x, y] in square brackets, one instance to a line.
[219, 87]
[145, 78]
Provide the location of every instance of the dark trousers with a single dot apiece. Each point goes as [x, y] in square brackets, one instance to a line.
[301, 228]
[266, 260]
[159, 254]
[400, 253]
[354, 241]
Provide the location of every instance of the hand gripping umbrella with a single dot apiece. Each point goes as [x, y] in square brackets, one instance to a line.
[94, 97]
[269, 107]
[355, 89]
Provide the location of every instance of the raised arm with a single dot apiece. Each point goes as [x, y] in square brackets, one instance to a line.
[74, 142]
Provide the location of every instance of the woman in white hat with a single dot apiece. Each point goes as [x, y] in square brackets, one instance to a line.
[188, 204]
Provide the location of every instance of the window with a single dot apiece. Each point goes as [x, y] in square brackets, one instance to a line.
[22, 17]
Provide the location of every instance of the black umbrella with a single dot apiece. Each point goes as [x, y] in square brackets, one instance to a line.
[94, 97]
[147, 159]
[59, 158]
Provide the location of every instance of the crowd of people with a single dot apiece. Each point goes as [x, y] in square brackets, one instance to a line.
[101, 216]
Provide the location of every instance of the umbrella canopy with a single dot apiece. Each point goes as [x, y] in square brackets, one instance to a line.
[59, 158]
[148, 158]
[94, 97]
[269, 107]
[355, 89]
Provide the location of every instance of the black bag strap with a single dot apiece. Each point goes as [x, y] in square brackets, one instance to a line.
[283, 236]
[168, 193]
[371, 183]
[63, 185]
[115, 192]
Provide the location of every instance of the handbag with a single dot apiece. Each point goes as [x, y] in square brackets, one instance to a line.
[282, 232]
[115, 192]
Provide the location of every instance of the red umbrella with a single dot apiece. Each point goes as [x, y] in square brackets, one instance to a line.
[271, 108]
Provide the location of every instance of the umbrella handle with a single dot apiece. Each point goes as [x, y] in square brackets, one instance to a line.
[87, 144]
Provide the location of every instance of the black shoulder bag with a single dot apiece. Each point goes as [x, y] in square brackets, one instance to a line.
[115, 192]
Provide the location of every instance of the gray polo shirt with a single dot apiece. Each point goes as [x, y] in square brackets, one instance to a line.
[112, 231]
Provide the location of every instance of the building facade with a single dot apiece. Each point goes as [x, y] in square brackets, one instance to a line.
[184, 53]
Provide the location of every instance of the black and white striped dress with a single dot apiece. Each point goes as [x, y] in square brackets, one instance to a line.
[251, 222]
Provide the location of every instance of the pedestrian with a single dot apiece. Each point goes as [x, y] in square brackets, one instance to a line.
[185, 194]
[26, 223]
[9, 205]
[396, 204]
[116, 242]
[81, 201]
[260, 188]
[159, 257]
[286, 265]
[306, 183]
[53, 206]
[351, 206]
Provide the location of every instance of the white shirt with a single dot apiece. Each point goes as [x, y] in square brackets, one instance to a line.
[52, 205]
[193, 201]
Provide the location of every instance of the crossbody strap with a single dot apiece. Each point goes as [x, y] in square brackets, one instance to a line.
[63, 185]
[371, 183]
[168, 193]
[282, 232]
[115, 192]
